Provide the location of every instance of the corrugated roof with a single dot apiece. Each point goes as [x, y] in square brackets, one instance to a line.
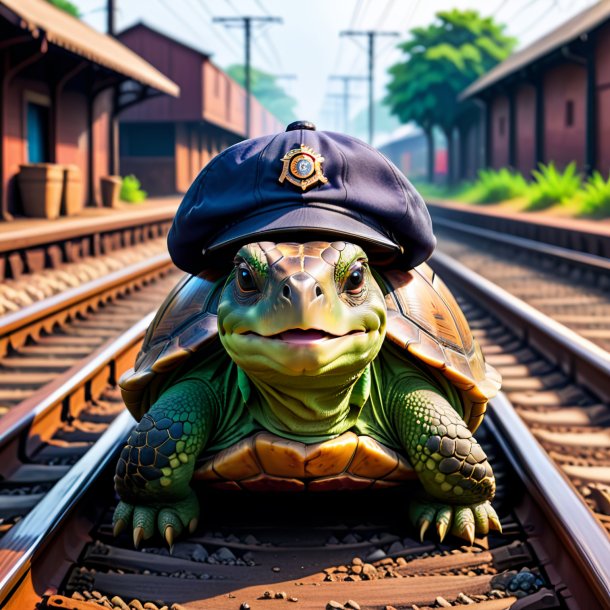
[584, 22]
[77, 37]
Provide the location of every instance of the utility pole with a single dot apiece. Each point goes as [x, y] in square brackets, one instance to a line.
[370, 35]
[110, 15]
[346, 79]
[113, 136]
[246, 23]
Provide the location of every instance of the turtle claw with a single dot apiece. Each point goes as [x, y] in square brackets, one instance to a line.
[138, 536]
[423, 528]
[169, 518]
[169, 538]
[465, 522]
[469, 533]
[119, 526]
[441, 529]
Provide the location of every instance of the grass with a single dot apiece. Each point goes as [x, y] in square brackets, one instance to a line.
[594, 199]
[565, 191]
[493, 186]
[131, 191]
[552, 186]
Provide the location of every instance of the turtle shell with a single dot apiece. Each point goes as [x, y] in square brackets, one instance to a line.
[423, 319]
[266, 462]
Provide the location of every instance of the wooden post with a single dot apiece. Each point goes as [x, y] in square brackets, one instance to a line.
[591, 111]
[539, 125]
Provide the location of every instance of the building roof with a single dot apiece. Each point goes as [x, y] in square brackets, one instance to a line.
[70, 33]
[169, 37]
[577, 26]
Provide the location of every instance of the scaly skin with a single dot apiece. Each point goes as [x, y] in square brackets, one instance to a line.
[157, 463]
[450, 463]
[303, 321]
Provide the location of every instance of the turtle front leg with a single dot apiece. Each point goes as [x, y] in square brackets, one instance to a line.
[451, 465]
[156, 465]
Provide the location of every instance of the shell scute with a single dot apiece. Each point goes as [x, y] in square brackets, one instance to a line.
[372, 459]
[267, 483]
[425, 320]
[280, 457]
[342, 482]
[237, 462]
[331, 456]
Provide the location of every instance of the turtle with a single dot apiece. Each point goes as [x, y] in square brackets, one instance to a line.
[306, 368]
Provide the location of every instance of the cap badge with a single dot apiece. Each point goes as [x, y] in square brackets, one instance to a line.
[303, 167]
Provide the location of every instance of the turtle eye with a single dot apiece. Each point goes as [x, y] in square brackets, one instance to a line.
[245, 280]
[355, 279]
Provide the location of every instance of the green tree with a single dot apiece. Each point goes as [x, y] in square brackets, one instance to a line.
[66, 5]
[267, 92]
[441, 60]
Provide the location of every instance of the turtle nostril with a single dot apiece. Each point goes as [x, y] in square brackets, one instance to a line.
[286, 291]
[318, 291]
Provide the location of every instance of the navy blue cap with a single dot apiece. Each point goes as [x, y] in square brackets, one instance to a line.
[253, 191]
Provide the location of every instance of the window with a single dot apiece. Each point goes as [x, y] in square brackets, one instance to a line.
[147, 140]
[569, 113]
[37, 121]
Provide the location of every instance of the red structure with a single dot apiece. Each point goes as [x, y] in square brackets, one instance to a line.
[62, 83]
[548, 102]
[166, 142]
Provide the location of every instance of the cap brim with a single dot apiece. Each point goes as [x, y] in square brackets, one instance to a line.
[313, 221]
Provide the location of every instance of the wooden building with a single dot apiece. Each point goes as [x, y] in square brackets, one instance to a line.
[165, 142]
[547, 102]
[63, 84]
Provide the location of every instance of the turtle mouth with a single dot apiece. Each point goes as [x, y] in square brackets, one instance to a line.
[307, 336]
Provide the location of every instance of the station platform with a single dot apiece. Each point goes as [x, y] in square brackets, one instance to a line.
[27, 232]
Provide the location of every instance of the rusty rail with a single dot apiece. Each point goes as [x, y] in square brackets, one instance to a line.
[21, 545]
[574, 524]
[17, 327]
[584, 361]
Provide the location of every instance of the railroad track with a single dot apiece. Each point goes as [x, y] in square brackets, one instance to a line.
[570, 287]
[46, 425]
[264, 551]
[557, 381]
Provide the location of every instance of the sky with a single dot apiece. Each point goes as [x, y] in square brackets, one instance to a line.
[308, 42]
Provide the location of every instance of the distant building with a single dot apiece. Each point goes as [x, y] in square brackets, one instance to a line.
[410, 154]
[547, 102]
[166, 142]
[62, 83]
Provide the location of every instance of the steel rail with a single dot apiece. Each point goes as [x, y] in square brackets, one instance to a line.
[589, 237]
[51, 396]
[573, 522]
[566, 255]
[20, 546]
[39, 311]
[28, 538]
[578, 357]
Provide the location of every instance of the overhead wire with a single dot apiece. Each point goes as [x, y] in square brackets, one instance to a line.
[217, 32]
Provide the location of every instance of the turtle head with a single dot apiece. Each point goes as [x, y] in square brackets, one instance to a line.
[302, 309]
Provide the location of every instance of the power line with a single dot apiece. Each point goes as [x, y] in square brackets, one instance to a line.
[218, 33]
[346, 79]
[385, 13]
[370, 35]
[262, 7]
[246, 23]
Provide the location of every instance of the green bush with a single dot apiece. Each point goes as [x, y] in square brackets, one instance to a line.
[594, 199]
[498, 185]
[131, 191]
[551, 186]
